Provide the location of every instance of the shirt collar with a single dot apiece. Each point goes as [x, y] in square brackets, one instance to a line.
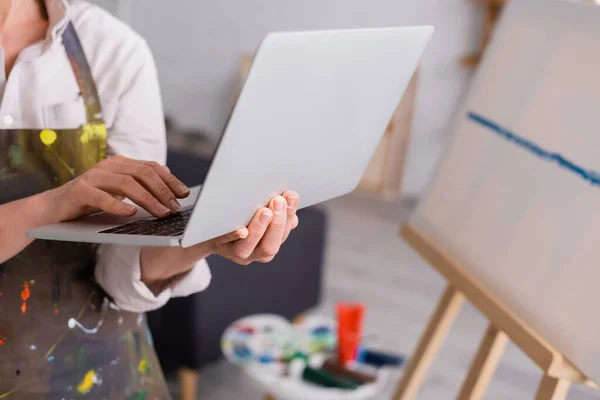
[58, 18]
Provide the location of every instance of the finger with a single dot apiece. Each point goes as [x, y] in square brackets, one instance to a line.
[149, 179]
[232, 236]
[101, 200]
[127, 186]
[176, 186]
[292, 199]
[115, 196]
[293, 225]
[271, 241]
[243, 249]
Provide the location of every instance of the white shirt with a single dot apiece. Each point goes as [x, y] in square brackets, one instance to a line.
[42, 92]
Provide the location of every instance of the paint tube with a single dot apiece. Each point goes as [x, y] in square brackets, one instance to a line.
[379, 358]
[299, 370]
[334, 368]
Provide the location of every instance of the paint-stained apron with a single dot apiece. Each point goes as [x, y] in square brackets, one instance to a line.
[60, 336]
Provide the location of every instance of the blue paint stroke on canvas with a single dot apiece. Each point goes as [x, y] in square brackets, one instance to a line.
[588, 175]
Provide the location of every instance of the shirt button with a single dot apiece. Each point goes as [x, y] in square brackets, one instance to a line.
[8, 120]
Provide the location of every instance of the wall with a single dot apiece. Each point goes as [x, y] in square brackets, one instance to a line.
[197, 44]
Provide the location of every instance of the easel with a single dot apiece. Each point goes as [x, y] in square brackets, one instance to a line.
[493, 9]
[504, 325]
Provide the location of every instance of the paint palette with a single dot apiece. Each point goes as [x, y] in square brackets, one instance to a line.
[263, 339]
[268, 339]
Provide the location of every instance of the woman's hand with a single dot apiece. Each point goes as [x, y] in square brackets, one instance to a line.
[147, 184]
[259, 242]
[103, 187]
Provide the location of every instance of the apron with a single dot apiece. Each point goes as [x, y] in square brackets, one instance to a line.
[60, 336]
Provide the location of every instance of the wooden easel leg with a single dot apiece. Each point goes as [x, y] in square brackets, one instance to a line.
[188, 383]
[484, 364]
[552, 389]
[429, 345]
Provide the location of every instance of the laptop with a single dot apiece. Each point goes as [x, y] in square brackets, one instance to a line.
[309, 118]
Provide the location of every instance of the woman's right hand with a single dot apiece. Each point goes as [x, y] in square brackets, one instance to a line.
[102, 188]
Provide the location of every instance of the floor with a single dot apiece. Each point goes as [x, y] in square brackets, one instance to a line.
[368, 262]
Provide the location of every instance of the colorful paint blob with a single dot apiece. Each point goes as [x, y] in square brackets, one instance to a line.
[87, 383]
[25, 293]
[241, 351]
[48, 136]
[138, 396]
[249, 329]
[144, 367]
[56, 293]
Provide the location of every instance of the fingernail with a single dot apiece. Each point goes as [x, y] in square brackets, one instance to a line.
[183, 188]
[292, 201]
[162, 209]
[174, 204]
[131, 209]
[265, 217]
[279, 203]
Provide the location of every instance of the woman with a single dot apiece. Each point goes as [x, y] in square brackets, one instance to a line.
[71, 323]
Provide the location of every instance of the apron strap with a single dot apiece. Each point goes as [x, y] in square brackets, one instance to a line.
[83, 74]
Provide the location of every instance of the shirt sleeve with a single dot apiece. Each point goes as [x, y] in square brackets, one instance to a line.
[118, 272]
[138, 132]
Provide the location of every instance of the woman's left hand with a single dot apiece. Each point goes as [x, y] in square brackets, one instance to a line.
[258, 242]
[261, 240]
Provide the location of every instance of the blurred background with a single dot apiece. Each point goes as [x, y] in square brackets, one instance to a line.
[347, 249]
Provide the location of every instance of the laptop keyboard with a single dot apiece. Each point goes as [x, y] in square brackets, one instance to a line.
[173, 225]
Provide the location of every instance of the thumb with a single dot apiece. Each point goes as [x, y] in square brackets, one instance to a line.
[241, 233]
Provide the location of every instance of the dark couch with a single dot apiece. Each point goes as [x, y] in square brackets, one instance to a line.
[187, 331]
